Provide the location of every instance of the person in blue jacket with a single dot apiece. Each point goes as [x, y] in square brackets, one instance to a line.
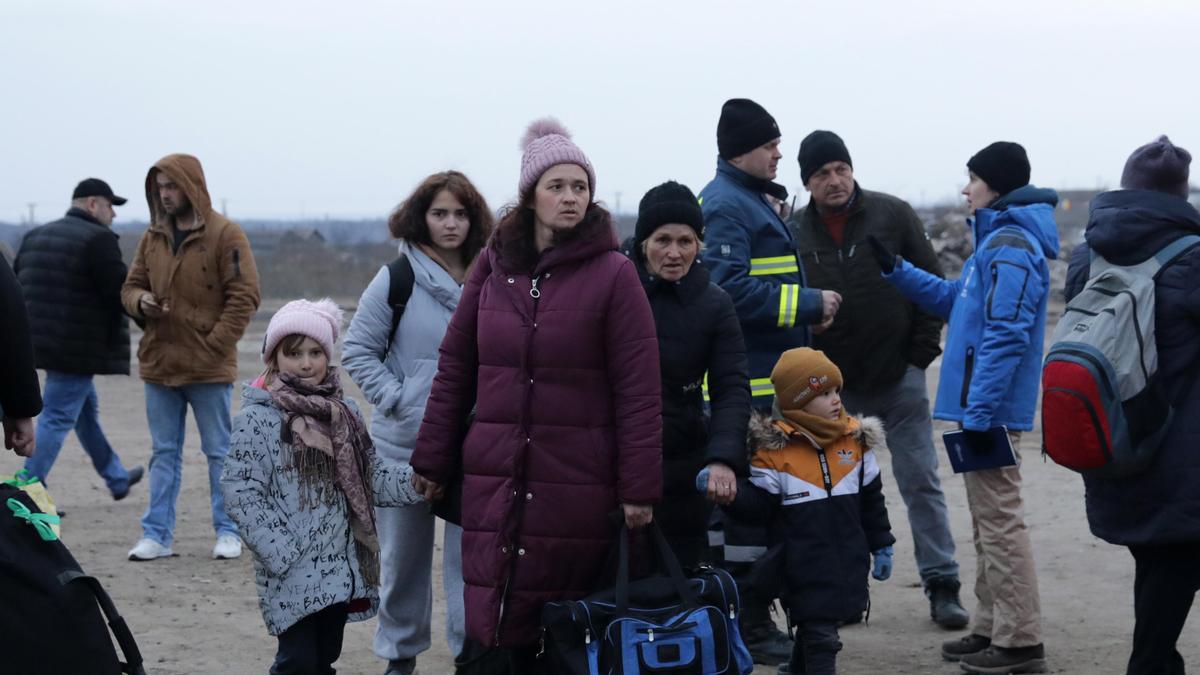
[750, 253]
[990, 375]
[1156, 514]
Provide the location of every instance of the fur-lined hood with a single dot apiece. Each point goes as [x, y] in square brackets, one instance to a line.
[765, 434]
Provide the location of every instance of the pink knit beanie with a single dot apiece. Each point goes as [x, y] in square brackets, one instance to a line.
[320, 320]
[547, 143]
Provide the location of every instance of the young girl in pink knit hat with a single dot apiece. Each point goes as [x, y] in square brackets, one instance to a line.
[300, 481]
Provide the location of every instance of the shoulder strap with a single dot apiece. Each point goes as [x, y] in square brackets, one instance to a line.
[1151, 266]
[400, 288]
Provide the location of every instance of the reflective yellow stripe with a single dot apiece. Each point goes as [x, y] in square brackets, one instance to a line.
[762, 387]
[783, 297]
[783, 264]
[704, 387]
[789, 304]
[787, 316]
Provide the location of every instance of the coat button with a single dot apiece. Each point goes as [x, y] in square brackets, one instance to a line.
[511, 280]
[504, 549]
[528, 439]
[531, 380]
[528, 496]
[520, 551]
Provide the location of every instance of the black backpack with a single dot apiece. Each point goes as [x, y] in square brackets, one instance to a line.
[400, 288]
[52, 615]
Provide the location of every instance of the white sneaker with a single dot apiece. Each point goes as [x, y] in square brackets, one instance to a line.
[228, 546]
[148, 549]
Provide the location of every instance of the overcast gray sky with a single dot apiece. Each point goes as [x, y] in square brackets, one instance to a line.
[311, 108]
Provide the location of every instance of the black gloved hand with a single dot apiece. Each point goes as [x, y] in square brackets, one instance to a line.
[980, 442]
[885, 258]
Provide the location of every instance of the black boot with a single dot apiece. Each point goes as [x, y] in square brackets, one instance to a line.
[767, 644]
[944, 606]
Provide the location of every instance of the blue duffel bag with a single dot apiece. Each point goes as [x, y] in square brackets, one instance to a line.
[660, 624]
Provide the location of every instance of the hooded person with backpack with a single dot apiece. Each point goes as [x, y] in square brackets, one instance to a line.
[391, 353]
[1155, 512]
[996, 313]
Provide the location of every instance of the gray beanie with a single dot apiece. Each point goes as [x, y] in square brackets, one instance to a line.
[1160, 166]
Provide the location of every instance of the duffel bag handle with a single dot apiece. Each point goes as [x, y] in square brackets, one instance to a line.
[674, 570]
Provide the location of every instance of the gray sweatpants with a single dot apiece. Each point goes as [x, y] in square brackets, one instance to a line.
[405, 584]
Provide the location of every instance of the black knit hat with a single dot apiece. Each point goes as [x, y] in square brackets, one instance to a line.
[669, 203]
[818, 149]
[1161, 166]
[1004, 166]
[744, 126]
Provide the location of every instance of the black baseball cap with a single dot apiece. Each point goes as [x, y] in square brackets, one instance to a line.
[94, 187]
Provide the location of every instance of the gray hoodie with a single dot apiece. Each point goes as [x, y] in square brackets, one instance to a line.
[399, 387]
[304, 558]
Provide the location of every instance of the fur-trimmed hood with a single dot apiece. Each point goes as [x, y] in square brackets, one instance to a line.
[765, 434]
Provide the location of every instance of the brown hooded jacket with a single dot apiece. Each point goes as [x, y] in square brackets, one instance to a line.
[210, 286]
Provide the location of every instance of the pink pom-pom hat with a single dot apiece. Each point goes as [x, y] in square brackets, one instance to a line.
[547, 143]
[320, 320]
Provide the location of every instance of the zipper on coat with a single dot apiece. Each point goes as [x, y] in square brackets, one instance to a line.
[968, 368]
[535, 293]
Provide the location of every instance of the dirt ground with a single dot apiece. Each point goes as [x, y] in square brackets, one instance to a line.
[192, 614]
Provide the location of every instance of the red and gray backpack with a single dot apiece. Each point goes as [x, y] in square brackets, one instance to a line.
[1104, 412]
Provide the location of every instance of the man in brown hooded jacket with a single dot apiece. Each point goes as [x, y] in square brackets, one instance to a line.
[193, 287]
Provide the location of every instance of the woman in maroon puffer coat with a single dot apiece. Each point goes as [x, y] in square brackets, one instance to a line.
[554, 344]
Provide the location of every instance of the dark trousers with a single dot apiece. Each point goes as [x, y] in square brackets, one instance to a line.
[1164, 587]
[816, 648]
[312, 644]
[477, 659]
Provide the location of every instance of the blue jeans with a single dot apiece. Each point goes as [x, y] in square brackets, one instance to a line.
[69, 402]
[166, 411]
[904, 409]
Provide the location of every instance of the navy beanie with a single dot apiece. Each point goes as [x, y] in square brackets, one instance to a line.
[818, 149]
[669, 203]
[1004, 166]
[744, 126]
[1161, 166]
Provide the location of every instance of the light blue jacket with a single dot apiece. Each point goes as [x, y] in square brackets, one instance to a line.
[304, 554]
[991, 368]
[399, 387]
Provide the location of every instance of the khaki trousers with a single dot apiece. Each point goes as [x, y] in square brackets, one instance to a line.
[1009, 611]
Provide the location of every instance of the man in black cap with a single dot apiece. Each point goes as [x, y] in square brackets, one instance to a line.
[71, 273]
[882, 343]
[751, 253]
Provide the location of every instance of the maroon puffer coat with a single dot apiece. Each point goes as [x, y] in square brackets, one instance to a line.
[568, 426]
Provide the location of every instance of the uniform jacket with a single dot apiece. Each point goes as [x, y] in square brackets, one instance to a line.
[1162, 504]
[750, 252]
[71, 271]
[825, 529]
[997, 313]
[210, 285]
[399, 386]
[20, 395]
[567, 426]
[877, 332]
[304, 554]
[698, 334]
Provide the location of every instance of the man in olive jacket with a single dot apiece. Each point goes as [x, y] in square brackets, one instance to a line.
[193, 287]
[881, 342]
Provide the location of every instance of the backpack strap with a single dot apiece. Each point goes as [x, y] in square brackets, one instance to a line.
[400, 288]
[1150, 267]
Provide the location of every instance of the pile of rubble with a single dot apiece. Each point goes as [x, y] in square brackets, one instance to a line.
[953, 243]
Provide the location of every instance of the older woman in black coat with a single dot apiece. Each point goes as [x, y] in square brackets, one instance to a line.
[698, 334]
